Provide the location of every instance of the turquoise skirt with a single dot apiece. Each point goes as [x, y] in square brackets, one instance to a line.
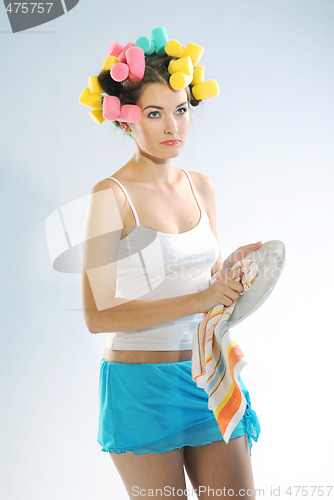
[157, 407]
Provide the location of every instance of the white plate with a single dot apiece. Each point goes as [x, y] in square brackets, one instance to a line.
[270, 259]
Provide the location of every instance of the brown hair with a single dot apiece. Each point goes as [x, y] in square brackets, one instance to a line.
[156, 71]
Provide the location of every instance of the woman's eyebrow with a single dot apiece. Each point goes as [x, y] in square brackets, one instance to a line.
[153, 106]
[159, 107]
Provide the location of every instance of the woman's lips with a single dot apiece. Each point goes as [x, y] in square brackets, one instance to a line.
[171, 143]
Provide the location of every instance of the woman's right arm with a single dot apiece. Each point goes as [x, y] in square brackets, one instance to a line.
[103, 312]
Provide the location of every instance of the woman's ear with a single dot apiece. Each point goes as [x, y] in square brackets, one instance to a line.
[126, 127]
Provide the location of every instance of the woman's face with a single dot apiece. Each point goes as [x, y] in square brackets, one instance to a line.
[163, 129]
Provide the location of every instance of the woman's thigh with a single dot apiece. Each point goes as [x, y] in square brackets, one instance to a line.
[219, 465]
[151, 471]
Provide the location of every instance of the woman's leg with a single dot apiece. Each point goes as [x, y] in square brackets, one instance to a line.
[152, 471]
[219, 465]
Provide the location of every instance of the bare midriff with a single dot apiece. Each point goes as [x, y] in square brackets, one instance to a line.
[146, 356]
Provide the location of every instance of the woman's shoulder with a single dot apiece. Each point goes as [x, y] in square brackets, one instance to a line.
[113, 196]
[118, 176]
[202, 183]
[205, 190]
[108, 183]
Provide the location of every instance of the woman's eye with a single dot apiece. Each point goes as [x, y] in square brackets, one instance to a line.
[155, 113]
[181, 111]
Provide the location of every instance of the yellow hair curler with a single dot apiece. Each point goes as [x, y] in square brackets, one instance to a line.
[90, 100]
[108, 62]
[205, 90]
[93, 85]
[194, 51]
[97, 116]
[183, 65]
[180, 80]
[174, 49]
[198, 76]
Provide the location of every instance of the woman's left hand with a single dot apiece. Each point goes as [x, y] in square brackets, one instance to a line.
[239, 254]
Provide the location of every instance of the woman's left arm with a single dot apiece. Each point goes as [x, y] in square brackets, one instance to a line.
[206, 190]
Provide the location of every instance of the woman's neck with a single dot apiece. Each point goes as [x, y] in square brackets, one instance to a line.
[152, 169]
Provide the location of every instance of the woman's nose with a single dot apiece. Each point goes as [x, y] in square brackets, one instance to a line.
[170, 125]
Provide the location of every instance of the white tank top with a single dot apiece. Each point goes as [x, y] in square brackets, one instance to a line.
[152, 265]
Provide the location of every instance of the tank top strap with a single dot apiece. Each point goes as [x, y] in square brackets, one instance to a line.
[128, 198]
[193, 188]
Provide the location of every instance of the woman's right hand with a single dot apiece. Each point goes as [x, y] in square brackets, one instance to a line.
[223, 291]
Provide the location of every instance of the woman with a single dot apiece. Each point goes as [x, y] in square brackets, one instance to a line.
[151, 250]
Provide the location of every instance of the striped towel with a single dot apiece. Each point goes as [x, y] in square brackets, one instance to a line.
[217, 360]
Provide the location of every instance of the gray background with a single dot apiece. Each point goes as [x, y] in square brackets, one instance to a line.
[266, 141]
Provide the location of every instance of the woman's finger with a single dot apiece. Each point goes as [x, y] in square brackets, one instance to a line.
[252, 246]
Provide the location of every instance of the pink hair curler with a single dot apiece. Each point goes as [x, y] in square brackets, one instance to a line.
[130, 113]
[122, 55]
[119, 72]
[111, 108]
[135, 58]
[115, 48]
